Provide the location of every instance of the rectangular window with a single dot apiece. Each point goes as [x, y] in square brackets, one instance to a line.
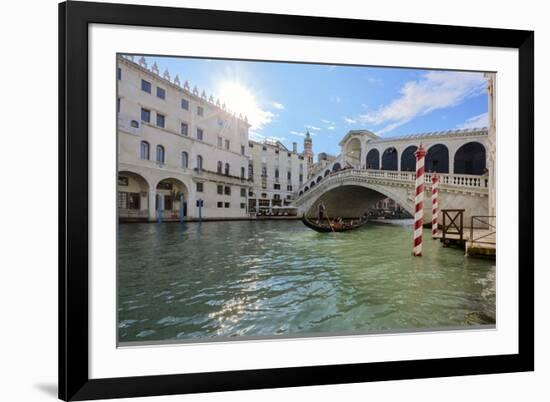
[160, 120]
[242, 149]
[145, 115]
[243, 205]
[226, 144]
[220, 204]
[264, 148]
[226, 205]
[220, 142]
[276, 186]
[200, 203]
[119, 73]
[200, 111]
[146, 86]
[277, 151]
[251, 145]
[161, 93]
[301, 178]
[220, 189]
[289, 175]
[185, 104]
[200, 187]
[200, 134]
[276, 197]
[227, 190]
[118, 105]
[243, 192]
[288, 188]
[184, 129]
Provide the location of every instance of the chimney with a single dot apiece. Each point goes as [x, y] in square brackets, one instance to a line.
[294, 147]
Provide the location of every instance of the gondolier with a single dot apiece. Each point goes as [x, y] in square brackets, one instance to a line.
[321, 211]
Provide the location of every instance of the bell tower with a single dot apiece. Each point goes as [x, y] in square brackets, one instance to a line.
[308, 151]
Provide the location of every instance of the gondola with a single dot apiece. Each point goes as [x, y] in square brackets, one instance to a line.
[325, 228]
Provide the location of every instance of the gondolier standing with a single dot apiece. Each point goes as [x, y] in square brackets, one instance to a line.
[321, 212]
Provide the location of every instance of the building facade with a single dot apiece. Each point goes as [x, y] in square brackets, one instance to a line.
[276, 174]
[179, 152]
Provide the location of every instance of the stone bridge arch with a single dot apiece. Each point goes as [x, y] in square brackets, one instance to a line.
[351, 200]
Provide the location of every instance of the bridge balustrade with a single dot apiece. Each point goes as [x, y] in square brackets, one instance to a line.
[445, 179]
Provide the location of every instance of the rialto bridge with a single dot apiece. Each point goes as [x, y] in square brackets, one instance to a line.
[371, 168]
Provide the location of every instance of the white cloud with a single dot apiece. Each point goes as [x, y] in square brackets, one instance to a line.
[481, 120]
[277, 105]
[349, 120]
[435, 90]
[338, 100]
[299, 134]
[331, 127]
[254, 136]
[327, 121]
[313, 127]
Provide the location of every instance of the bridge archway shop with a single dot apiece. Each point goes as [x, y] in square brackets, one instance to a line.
[470, 159]
[373, 159]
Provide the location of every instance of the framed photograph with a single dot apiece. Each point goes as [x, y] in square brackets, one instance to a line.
[258, 200]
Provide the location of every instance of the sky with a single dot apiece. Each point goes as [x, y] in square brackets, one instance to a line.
[284, 100]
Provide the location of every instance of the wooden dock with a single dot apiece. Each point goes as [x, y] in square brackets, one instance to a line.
[479, 239]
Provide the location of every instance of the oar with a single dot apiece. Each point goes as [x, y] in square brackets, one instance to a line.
[328, 219]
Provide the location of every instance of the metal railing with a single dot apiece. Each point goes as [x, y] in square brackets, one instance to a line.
[488, 225]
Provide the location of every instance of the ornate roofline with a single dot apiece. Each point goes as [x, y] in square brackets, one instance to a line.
[186, 89]
[468, 132]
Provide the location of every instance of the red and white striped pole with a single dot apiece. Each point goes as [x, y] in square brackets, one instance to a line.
[419, 201]
[435, 206]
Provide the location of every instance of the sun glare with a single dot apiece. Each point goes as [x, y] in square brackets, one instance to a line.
[240, 99]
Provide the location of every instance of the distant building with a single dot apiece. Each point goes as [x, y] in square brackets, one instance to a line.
[323, 160]
[308, 151]
[275, 174]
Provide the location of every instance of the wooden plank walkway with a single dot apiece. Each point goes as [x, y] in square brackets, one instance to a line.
[484, 242]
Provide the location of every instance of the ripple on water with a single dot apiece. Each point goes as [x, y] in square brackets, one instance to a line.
[225, 279]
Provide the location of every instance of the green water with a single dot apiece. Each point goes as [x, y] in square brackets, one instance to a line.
[267, 278]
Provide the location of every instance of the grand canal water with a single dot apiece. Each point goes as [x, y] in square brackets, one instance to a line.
[267, 278]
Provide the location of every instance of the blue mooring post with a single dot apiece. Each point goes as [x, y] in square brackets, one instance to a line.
[182, 206]
[159, 208]
[200, 210]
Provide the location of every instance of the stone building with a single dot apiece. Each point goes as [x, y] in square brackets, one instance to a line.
[276, 173]
[179, 151]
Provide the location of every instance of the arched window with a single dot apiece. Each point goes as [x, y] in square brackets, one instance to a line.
[312, 184]
[289, 175]
[199, 162]
[336, 167]
[301, 193]
[144, 150]
[470, 159]
[160, 154]
[437, 159]
[389, 159]
[227, 169]
[243, 172]
[184, 160]
[220, 167]
[327, 172]
[319, 179]
[373, 159]
[408, 159]
[250, 171]
[306, 188]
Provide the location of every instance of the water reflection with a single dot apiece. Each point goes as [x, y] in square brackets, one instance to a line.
[227, 279]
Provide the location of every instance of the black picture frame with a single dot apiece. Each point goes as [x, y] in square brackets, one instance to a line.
[74, 18]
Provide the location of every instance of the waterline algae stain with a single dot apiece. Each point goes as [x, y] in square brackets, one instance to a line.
[224, 280]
